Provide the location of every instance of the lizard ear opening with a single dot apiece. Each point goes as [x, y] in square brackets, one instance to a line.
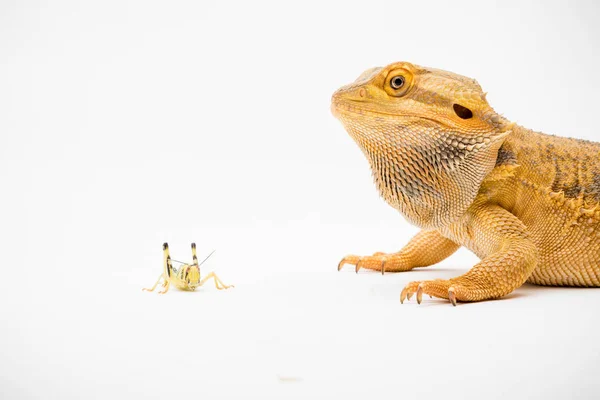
[462, 112]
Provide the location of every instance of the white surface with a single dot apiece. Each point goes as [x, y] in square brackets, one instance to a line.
[126, 124]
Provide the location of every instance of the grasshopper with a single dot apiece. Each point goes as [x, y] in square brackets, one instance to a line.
[187, 277]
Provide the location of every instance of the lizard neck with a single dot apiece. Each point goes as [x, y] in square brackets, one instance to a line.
[428, 173]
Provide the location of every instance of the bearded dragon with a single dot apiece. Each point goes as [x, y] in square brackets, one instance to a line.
[526, 203]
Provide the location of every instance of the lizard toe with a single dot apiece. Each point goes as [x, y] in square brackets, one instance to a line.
[349, 259]
[408, 291]
[382, 262]
[442, 289]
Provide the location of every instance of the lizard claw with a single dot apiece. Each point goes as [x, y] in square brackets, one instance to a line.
[403, 296]
[383, 262]
[358, 265]
[409, 290]
[452, 296]
[436, 288]
[351, 259]
[419, 294]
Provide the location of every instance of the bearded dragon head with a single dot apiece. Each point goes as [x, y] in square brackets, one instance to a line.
[429, 135]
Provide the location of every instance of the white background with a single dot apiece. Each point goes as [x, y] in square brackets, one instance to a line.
[125, 124]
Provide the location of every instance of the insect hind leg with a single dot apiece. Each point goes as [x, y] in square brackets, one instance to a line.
[194, 257]
[218, 283]
[155, 285]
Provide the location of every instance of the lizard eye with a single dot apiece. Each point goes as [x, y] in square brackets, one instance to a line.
[397, 82]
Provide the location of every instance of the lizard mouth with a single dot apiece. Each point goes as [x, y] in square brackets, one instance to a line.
[349, 109]
[352, 109]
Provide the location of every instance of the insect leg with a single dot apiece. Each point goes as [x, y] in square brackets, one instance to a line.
[194, 257]
[168, 266]
[165, 287]
[223, 286]
[155, 285]
[218, 282]
[207, 277]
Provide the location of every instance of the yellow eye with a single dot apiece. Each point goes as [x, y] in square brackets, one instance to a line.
[397, 82]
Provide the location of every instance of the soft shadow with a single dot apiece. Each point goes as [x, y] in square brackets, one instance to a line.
[458, 271]
[514, 295]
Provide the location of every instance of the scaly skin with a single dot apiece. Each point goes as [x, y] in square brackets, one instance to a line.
[526, 203]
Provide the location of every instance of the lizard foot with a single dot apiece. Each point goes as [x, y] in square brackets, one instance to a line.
[379, 262]
[443, 289]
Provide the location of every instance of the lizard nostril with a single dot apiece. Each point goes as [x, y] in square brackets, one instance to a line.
[362, 92]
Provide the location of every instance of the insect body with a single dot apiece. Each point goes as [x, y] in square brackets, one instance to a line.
[187, 277]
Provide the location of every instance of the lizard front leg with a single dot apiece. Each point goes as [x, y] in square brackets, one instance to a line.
[508, 258]
[424, 249]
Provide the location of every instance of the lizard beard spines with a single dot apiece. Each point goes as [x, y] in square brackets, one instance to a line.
[428, 172]
[430, 182]
[399, 179]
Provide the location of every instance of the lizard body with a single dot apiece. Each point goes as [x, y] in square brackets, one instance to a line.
[527, 204]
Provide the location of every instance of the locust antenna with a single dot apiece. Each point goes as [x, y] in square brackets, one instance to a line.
[181, 262]
[207, 257]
